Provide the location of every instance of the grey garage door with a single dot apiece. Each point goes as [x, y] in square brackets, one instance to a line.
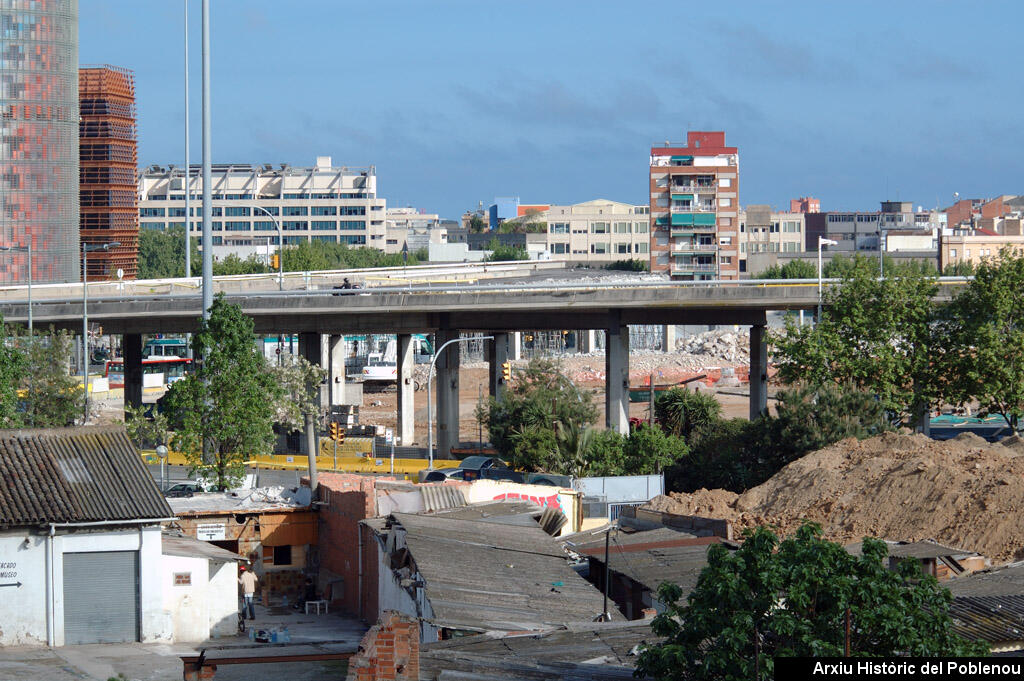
[101, 597]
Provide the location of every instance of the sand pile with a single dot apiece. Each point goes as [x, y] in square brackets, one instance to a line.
[965, 493]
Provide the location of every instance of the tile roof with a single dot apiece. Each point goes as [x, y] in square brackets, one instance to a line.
[70, 475]
[485, 576]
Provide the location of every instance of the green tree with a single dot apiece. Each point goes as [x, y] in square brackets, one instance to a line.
[146, 426]
[477, 224]
[649, 451]
[500, 252]
[54, 395]
[539, 397]
[681, 411]
[775, 598]
[738, 454]
[162, 253]
[794, 269]
[606, 453]
[961, 268]
[13, 367]
[983, 339]
[232, 264]
[300, 382]
[228, 404]
[629, 265]
[877, 334]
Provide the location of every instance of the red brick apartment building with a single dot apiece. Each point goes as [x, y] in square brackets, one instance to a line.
[694, 208]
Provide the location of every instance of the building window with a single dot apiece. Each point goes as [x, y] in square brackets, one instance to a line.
[273, 210]
[295, 210]
[725, 202]
[151, 212]
[952, 253]
[725, 241]
[558, 228]
[236, 211]
[559, 249]
[599, 228]
[640, 247]
[622, 228]
[599, 248]
[622, 248]
[236, 226]
[726, 259]
[353, 210]
[328, 239]
[641, 228]
[354, 239]
[324, 210]
[154, 225]
[265, 226]
[294, 225]
[295, 240]
[324, 224]
[351, 224]
[725, 182]
[179, 212]
[726, 222]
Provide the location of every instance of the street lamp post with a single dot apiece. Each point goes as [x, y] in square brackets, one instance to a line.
[822, 241]
[86, 249]
[280, 246]
[430, 404]
[25, 249]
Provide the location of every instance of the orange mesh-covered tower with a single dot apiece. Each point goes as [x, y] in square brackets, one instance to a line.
[39, 139]
[108, 153]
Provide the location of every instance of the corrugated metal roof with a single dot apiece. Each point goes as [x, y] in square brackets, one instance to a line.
[484, 576]
[997, 620]
[915, 549]
[173, 545]
[67, 475]
[438, 497]
[651, 567]
[1002, 581]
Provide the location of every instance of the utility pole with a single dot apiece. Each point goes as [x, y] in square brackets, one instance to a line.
[207, 181]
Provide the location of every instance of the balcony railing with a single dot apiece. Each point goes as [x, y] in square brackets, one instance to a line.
[694, 187]
[694, 208]
[687, 230]
[686, 249]
[693, 267]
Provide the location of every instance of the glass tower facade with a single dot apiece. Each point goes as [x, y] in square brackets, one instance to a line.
[39, 114]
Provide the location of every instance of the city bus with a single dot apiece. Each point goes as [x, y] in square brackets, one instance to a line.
[157, 372]
[165, 347]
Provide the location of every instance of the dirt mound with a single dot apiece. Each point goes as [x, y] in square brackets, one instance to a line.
[963, 492]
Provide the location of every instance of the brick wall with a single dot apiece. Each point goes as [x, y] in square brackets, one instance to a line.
[390, 650]
[350, 498]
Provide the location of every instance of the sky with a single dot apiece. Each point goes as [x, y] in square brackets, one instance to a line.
[456, 102]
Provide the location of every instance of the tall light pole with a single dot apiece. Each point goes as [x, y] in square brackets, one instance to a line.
[188, 168]
[822, 241]
[280, 246]
[25, 249]
[430, 404]
[207, 153]
[86, 249]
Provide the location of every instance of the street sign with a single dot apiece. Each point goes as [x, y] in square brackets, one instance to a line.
[389, 436]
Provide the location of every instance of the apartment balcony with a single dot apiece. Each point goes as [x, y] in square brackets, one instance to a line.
[695, 208]
[693, 268]
[690, 249]
[694, 187]
[692, 230]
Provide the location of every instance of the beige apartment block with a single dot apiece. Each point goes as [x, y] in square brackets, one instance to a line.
[765, 231]
[974, 248]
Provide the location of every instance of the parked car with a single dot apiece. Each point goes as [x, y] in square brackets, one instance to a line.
[442, 474]
[184, 489]
[489, 468]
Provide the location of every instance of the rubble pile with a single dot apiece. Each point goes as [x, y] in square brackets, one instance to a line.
[963, 492]
[728, 346]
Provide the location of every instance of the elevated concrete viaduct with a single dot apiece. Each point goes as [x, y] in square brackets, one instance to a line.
[322, 317]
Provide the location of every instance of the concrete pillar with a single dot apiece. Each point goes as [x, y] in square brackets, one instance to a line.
[587, 342]
[336, 370]
[758, 371]
[131, 350]
[668, 338]
[616, 366]
[447, 382]
[515, 347]
[497, 354]
[406, 391]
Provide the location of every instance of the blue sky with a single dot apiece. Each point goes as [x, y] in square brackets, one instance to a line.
[457, 101]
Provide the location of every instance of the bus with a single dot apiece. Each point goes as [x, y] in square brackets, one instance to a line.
[157, 372]
[165, 347]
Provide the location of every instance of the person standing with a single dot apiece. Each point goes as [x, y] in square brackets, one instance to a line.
[248, 581]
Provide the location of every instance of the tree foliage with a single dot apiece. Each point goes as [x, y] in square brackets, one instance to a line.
[37, 388]
[982, 340]
[876, 334]
[228, 404]
[300, 381]
[629, 265]
[681, 411]
[500, 252]
[739, 454]
[775, 598]
[794, 269]
[147, 427]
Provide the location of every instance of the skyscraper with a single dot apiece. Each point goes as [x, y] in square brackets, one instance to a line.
[694, 204]
[39, 139]
[109, 161]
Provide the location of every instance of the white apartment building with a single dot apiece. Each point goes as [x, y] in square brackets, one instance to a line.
[250, 203]
[598, 231]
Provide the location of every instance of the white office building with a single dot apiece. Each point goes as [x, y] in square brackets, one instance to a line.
[251, 203]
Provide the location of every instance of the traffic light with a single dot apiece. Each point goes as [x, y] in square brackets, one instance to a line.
[334, 429]
[506, 371]
[275, 261]
[341, 436]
